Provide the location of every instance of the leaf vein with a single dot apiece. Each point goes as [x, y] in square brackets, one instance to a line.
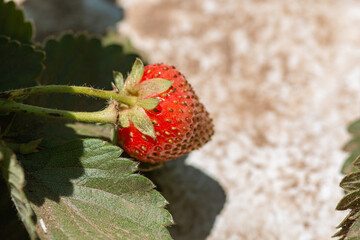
[81, 216]
[117, 213]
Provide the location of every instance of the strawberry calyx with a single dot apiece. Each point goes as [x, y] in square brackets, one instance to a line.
[144, 93]
[139, 118]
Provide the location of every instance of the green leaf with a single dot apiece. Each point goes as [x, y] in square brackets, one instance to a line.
[54, 132]
[81, 60]
[195, 198]
[88, 129]
[351, 182]
[12, 23]
[354, 127]
[356, 162]
[141, 121]
[15, 178]
[355, 215]
[20, 64]
[345, 224]
[352, 145]
[350, 201]
[348, 166]
[149, 103]
[82, 189]
[354, 232]
[153, 87]
[10, 224]
[350, 227]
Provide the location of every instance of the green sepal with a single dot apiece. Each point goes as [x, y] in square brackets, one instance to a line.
[25, 148]
[118, 79]
[139, 118]
[124, 119]
[114, 135]
[153, 87]
[149, 103]
[135, 76]
[141, 121]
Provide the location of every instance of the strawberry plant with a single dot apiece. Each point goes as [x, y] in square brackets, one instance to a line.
[62, 158]
[350, 226]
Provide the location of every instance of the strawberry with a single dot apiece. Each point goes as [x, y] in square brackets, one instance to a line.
[180, 123]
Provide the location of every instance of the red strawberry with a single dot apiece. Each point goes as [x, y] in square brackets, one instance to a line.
[180, 122]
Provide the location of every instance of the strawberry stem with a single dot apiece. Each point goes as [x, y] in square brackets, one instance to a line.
[108, 115]
[105, 94]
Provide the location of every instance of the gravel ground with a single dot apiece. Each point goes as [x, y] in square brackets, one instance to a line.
[281, 81]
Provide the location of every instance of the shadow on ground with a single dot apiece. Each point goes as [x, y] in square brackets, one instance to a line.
[52, 17]
[195, 199]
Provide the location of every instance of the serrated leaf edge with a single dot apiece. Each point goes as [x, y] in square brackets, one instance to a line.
[89, 144]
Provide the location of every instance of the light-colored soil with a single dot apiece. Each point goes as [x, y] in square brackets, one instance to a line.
[281, 79]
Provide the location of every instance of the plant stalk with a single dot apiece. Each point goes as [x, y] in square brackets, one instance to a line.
[108, 115]
[105, 94]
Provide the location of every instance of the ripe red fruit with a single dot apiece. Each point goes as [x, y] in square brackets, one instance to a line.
[180, 121]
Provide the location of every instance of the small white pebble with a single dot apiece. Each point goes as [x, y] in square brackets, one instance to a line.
[43, 226]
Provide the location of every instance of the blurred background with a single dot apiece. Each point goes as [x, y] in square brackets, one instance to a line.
[281, 80]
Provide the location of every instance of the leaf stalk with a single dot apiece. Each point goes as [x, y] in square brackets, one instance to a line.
[88, 91]
[108, 115]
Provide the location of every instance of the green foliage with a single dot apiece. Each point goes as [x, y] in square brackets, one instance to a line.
[10, 224]
[350, 226]
[81, 60]
[12, 23]
[20, 64]
[352, 146]
[15, 178]
[82, 188]
[77, 184]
